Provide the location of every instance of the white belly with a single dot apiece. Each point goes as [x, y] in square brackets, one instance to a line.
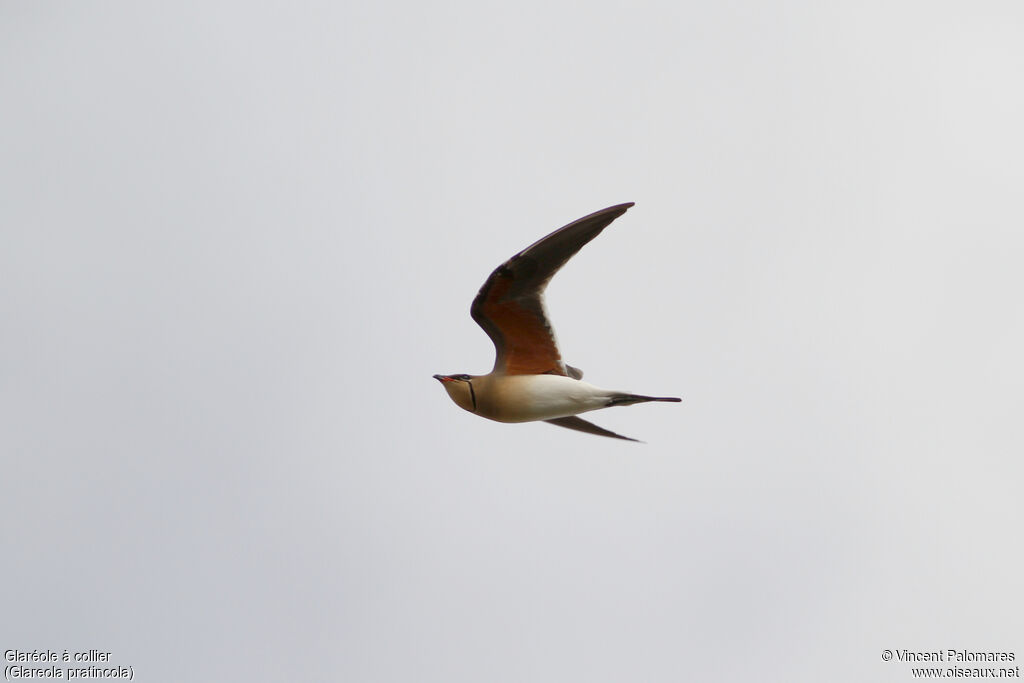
[525, 398]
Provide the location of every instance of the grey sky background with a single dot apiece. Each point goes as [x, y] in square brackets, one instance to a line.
[238, 239]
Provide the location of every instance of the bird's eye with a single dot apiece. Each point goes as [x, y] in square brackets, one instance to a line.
[464, 378]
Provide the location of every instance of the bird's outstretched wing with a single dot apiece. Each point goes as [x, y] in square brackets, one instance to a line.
[581, 425]
[510, 305]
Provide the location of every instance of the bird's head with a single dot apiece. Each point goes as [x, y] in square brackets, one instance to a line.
[460, 389]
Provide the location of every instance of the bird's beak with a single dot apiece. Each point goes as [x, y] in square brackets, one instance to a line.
[440, 378]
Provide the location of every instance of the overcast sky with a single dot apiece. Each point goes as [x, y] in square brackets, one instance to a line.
[237, 239]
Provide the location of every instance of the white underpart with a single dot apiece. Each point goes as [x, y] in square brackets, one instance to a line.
[543, 397]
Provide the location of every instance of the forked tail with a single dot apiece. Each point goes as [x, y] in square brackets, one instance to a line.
[630, 399]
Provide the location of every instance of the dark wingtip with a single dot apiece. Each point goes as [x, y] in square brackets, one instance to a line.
[610, 213]
[581, 425]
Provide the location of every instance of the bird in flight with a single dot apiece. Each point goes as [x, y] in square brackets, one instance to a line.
[530, 382]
